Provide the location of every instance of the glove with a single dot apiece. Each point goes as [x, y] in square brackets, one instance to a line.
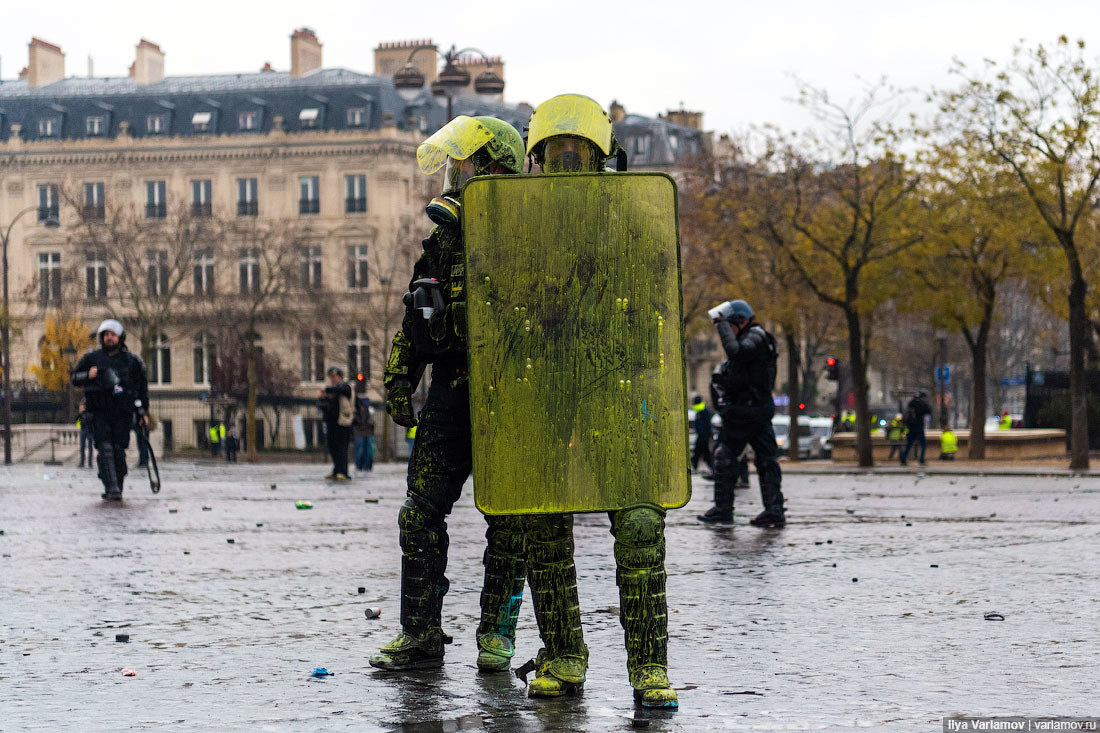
[399, 404]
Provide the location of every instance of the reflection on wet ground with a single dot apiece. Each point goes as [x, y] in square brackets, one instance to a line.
[867, 611]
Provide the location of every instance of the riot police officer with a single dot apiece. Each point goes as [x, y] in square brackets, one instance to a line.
[741, 390]
[572, 133]
[433, 331]
[116, 389]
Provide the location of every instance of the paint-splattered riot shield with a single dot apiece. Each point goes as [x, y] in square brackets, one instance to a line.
[577, 389]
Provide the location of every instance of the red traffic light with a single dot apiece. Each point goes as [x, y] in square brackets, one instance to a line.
[359, 377]
[801, 405]
[830, 361]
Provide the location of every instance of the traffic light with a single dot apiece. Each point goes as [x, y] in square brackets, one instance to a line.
[832, 369]
[360, 383]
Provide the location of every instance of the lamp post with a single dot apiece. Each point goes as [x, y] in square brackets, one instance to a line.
[408, 81]
[5, 327]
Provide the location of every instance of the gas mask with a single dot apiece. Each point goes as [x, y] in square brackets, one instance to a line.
[570, 154]
[446, 210]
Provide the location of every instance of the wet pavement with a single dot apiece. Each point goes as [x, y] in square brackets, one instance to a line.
[867, 611]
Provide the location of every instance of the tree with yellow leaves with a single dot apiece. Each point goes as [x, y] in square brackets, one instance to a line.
[52, 369]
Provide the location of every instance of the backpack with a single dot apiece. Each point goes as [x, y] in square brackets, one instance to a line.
[347, 413]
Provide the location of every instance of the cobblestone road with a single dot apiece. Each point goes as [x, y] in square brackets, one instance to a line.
[231, 596]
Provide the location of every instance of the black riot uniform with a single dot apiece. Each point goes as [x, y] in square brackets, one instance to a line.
[741, 392]
[442, 461]
[119, 390]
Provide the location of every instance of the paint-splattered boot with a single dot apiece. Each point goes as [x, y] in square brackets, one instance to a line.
[557, 677]
[561, 665]
[501, 594]
[643, 610]
[409, 651]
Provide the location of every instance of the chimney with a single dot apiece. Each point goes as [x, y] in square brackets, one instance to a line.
[390, 57]
[47, 63]
[305, 52]
[618, 112]
[149, 63]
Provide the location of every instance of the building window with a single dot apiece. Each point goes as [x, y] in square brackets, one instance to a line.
[308, 118]
[94, 201]
[201, 191]
[47, 201]
[358, 353]
[156, 192]
[156, 124]
[203, 269]
[204, 354]
[356, 194]
[49, 277]
[247, 200]
[156, 272]
[248, 120]
[313, 357]
[250, 270]
[49, 127]
[641, 145]
[95, 274]
[309, 195]
[357, 117]
[160, 365]
[357, 267]
[200, 121]
[95, 126]
[309, 267]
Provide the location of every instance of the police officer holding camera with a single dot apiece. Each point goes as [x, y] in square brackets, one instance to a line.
[741, 391]
[116, 388]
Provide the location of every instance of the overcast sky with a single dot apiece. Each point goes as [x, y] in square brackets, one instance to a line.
[731, 60]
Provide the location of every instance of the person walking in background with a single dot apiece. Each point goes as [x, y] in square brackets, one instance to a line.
[895, 436]
[915, 412]
[116, 387]
[1004, 422]
[339, 415]
[232, 445]
[703, 432]
[362, 428]
[84, 423]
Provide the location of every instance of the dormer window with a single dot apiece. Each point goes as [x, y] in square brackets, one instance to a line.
[308, 117]
[357, 117]
[49, 127]
[156, 124]
[200, 121]
[248, 120]
[95, 126]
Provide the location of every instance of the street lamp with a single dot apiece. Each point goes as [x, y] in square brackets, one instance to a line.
[5, 341]
[408, 81]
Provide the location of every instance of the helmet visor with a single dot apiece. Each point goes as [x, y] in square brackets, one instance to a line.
[568, 154]
[570, 114]
[458, 139]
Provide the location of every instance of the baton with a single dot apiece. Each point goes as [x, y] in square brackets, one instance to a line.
[151, 461]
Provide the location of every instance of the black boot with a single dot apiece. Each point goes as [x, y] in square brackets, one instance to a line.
[108, 474]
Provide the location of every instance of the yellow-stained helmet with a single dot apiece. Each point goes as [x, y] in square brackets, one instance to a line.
[479, 140]
[571, 114]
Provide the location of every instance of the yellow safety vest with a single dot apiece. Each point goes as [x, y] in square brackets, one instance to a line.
[949, 443]
[1006, 423]
[411, 432]
[214, 434]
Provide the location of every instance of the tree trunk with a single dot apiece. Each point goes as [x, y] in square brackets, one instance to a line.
[978, 354]
[793, 392]
[250, 421]
[859, 386]
[1078, 333]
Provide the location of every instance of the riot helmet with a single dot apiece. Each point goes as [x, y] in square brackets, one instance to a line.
[114, 327]
[571, 132]
[468, 146]
[740, 311]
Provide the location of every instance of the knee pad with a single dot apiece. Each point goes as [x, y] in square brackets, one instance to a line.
[723, 456]
[639, 526]
[504, 536]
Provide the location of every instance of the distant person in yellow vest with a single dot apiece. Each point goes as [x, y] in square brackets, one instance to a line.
[217, 432]
[1005, 423]
[949, 443]
[410, 438]
[895, 436]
